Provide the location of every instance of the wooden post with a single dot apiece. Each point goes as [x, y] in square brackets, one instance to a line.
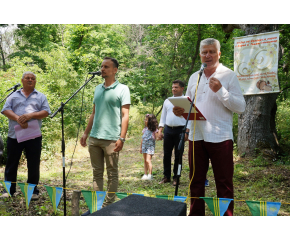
[75, 211]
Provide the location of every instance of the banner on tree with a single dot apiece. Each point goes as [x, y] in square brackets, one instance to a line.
[256, 63]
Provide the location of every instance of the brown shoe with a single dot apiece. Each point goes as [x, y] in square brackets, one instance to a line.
[165, 180]
[175, 182]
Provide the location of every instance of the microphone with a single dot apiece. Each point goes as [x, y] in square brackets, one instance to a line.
[14, 87]
[203, 66]
[98, 73]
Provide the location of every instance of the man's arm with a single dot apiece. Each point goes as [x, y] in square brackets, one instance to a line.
[124, 127]
[83, 140]
[162, 121]
[159, 134]
[13, 116]
[35, 115]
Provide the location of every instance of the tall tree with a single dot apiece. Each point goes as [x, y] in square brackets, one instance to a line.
[257, 128]
[6, 42]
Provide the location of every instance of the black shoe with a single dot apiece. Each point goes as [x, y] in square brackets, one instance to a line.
[86, 213]
[164, 180]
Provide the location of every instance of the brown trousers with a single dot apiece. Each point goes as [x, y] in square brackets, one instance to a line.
[101, 151]
[221, 157]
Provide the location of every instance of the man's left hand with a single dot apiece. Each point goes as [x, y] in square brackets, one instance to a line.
[118, 146]
[24, 118]
[214, 84]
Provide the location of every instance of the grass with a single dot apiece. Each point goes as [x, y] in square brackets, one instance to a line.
[254, 179]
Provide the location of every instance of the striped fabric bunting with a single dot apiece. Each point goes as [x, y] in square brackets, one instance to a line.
[27, 190]
[94, 199]
[218, 206]
[262, 208]
[54, 195]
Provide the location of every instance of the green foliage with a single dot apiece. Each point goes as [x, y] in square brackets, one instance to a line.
[151, 56]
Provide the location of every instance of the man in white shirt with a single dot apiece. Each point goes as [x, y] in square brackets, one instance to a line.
[173, 126]
[218, 96]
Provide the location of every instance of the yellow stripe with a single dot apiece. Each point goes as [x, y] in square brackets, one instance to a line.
[216, 206]
[26, 197]
[264, 208]
[94, 201]
[54, 198]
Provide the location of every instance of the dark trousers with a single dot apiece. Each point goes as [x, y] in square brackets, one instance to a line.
[32, 152]
[171, 140]
[221, 157]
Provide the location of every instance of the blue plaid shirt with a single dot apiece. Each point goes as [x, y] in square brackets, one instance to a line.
[19, 104]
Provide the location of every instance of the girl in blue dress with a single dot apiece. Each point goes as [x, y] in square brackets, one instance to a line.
[148, 144]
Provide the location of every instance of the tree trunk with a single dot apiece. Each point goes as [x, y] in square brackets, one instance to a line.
[257, 127]
[75, 209]
[2, 54]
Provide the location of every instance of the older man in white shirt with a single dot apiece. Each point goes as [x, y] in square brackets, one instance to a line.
[217, 97]
[172, 126]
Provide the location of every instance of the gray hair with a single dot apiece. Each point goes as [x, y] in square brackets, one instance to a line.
[28, 73]
[210, 41]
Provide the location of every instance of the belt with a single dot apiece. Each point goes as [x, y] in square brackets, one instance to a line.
[175, 126]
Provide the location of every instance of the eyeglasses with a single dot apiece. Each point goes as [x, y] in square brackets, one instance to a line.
[32, 78]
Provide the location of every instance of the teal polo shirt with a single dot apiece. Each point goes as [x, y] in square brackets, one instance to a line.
[108, 114]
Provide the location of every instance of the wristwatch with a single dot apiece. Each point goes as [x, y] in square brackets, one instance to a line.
[122, 139]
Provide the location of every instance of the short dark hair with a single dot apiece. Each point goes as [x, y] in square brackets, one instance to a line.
[116, 64]
[181, 83]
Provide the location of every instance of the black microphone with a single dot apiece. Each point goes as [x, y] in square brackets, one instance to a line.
[203, 66]
[14, 87]
[96, 73]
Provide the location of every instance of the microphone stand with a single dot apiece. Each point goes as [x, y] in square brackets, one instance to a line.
[61, 109]
[182, 135]
[14, 90]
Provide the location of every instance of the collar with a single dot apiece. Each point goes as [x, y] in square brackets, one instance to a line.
[111, 86]
[218, 69]
[179, 96]
[34, 90]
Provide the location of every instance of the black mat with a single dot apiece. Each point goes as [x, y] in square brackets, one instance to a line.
[136, 205]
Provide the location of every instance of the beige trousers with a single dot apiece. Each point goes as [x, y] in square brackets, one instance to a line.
[102, 151]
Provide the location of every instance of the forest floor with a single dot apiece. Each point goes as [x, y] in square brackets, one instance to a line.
[254, 179]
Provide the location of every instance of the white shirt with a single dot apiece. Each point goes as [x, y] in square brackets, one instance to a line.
[169, 118]
[217, 107]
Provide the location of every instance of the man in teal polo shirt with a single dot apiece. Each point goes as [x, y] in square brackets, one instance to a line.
[107, 126]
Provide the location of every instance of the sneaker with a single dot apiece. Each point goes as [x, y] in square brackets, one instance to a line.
[145, 177]
[34, 197]
[206, 184]
[4, 195]
[86, 213]
[150, 177]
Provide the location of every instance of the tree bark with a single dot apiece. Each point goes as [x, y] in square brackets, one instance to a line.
[193, 58]
[257, 127]
[75, 209]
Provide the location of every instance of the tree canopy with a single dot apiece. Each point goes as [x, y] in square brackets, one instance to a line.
[151, 56]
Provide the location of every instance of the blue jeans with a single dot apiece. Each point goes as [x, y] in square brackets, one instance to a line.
[32, 152]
